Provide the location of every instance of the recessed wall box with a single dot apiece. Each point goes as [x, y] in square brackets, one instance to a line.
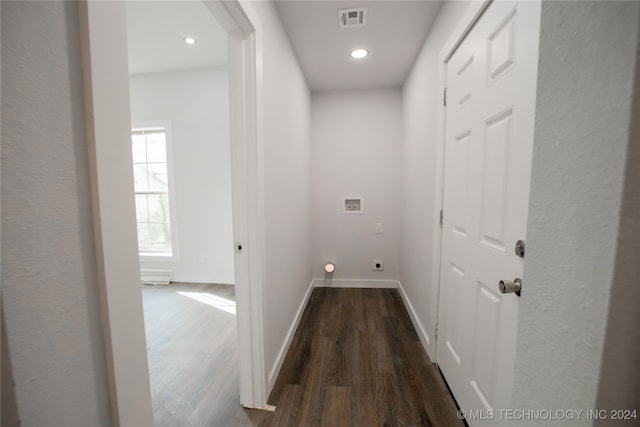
[352, 205]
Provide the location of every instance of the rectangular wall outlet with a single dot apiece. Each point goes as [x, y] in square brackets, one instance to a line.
[378, 265]
[352, 205]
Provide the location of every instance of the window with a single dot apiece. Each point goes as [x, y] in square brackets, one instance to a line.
[156, 233]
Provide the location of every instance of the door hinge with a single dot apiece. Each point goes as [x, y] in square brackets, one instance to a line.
[444, 97]
[437, 329]
[441, 218]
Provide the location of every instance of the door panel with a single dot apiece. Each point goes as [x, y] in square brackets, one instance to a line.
[491, 84]
[494, 181]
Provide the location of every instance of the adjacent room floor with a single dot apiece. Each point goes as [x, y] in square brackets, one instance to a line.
[193, 356]
[355, 360]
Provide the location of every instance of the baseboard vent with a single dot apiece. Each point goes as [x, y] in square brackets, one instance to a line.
[151, 276]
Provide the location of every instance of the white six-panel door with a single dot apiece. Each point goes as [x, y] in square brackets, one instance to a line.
[491, 86]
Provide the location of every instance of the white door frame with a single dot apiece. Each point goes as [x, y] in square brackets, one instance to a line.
[242, 24]
[468, 20]
[108, 126]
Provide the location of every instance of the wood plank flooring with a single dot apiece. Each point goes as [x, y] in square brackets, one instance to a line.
[193, 356]
[355, 360]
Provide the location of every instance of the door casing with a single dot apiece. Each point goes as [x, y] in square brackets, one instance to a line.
[465, 24]
[105, 75]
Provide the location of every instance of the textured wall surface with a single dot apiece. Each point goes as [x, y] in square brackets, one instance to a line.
[196, 102]
[49, 289]
[585, 81]
[620, 373]
[420, 100]
[9, 415]
[356, 138]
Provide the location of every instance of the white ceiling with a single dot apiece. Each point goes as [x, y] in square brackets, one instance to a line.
[155, 32]
[393, 35]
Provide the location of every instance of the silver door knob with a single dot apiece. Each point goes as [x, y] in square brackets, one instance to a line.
[507, 287]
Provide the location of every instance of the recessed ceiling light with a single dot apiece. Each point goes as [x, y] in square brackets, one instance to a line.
[359, 53]
[190, 40]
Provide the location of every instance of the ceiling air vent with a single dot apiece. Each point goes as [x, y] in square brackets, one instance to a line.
[352, 17]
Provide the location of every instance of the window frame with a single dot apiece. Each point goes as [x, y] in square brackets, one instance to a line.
[151, 125]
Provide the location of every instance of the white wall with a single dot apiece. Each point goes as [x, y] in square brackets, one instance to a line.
[586, 60]
[9, 416]
[286, 148]
[48, 260]
[49, 290]
[620, 372]
[356, 138]
[196, 102]
[585, 86]
[421, 97]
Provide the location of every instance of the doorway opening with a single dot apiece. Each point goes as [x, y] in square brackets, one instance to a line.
[103, 26]
[180, 132]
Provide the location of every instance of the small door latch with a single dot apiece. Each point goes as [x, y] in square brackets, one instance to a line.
[507, 286]
[520, 248]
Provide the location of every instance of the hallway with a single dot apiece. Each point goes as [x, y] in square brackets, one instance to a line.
[355, 360]
[311, 138]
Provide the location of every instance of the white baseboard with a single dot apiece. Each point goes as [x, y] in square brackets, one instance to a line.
[155, 276]
[422, 333]
[355, 283]
[275, 370]
[202, 278]
[343, 283]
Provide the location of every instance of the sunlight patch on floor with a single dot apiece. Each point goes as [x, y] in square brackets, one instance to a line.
[212, 300]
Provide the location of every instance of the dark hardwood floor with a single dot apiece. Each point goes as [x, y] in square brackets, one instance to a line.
[355, 360]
